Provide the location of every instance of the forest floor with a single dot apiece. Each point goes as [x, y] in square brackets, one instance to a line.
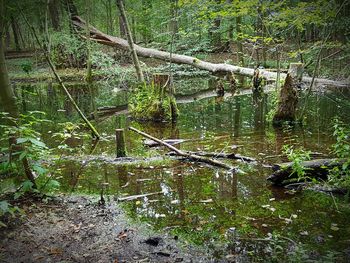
[78, 229]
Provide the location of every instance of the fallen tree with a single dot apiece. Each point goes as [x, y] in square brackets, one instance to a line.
[318, 168]
[221, 68]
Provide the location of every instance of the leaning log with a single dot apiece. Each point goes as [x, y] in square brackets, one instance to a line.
[221, 68]
[185, 154]
[318, 169]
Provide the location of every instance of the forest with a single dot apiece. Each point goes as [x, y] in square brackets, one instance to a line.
[174, 131]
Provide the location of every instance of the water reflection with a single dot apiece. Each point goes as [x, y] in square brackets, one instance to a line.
[204, 201]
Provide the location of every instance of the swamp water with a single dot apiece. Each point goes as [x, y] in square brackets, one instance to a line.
[230, 213]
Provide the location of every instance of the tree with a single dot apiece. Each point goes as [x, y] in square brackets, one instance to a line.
[7, 95]
[135, 58]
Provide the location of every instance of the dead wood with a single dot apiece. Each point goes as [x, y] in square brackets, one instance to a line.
[185, 154]
[151, 143]
[134, 197]
[220, 155]
[221, 68]
[318, 168]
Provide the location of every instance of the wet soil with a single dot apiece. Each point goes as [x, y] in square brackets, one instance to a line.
[79, 229]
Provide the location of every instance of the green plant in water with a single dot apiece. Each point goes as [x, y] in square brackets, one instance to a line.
[340, 176]
[151, 103]
[297, 156]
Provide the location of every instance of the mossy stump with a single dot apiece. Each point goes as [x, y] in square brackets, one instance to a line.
[120, 142]
[288, 100]
[154, 101]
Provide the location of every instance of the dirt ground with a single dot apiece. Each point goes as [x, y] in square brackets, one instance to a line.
[78, 229]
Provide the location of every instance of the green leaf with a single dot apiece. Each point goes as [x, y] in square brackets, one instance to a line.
[22, 140]
[39, 169]
[4, 207]
[37, 143]
[27, 186]
[53, 184]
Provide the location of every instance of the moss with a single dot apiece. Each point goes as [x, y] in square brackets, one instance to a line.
[151, 103]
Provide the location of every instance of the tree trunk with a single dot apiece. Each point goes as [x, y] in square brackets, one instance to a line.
[173, 24]
[135, 58]
[288, 98]
[7, 96]
[54, 10]
[122, 31]
[214, 33]
[221, 68]
[15, 30]
[240, 53]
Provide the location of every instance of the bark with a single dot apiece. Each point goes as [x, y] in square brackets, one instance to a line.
[15, 31]
[318, 168]
[287, 103]
[173, 24]
[220, 68]
[131, 45]
[214, 30]
[54, 10]
[288, 98]
[240, 52]
[7, 97]
[184, 154]
[220, 155]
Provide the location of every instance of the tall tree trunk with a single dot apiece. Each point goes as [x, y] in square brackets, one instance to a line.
[240, 54]
[214, 33]
[7, 96]
[122, 31]
[72, 11]
[173, 25]
[135, 58]
[14, 26]
[54, 10]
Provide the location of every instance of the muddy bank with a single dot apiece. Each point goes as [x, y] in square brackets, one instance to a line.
[78, 229]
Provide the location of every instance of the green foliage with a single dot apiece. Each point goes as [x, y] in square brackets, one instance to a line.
[27, 66]
[28, 145]
[340, 176]
[151, 103]
[6, 209]
[67, 50]
[297, 156]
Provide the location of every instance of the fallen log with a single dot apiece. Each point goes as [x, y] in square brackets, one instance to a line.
[134, 197]
[185, 154]
[221, 68]
[220, 155]
[318, 168]
[151, 143]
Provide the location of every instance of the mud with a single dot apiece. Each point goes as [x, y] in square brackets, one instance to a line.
[79, 229]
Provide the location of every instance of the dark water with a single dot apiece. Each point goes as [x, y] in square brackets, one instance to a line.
[203, 204]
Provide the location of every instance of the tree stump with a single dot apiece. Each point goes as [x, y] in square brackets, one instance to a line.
[120, 142]
[288, 99]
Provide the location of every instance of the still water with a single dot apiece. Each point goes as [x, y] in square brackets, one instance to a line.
[199, 203]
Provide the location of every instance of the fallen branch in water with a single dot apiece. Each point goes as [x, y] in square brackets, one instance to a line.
[220, 155]
[133, 197]
[185, 154]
